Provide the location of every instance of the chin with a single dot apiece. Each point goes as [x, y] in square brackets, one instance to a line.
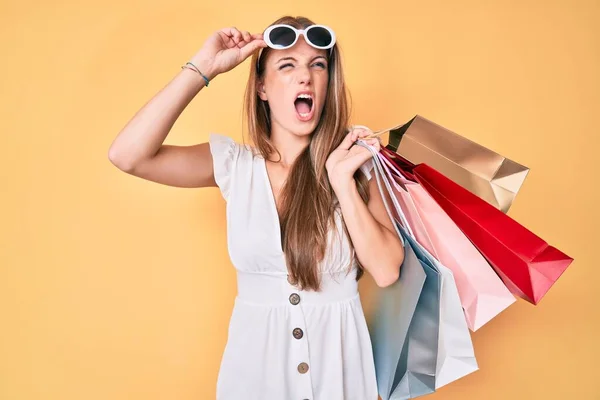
[304, 128]
[301, 128]
[303, 131]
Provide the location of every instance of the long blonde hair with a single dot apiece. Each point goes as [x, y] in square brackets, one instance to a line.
[307, 199]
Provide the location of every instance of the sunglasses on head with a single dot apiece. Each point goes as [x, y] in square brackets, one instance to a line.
[284, 36]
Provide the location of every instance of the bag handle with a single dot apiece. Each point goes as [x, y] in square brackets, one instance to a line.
[388, 165]
[380, 176]
[403, 164]
[386, 179]
[398, 166]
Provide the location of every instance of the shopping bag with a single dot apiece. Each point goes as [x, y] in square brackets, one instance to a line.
[390, 322]
[491, 176]
[482, 293]
[456, 355]
[526, 263]
[437, 348]
[416, 371]
[396, 305]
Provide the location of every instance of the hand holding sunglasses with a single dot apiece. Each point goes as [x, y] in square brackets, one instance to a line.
[226, 49]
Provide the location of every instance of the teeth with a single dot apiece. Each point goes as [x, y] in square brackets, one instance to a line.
[305, 96]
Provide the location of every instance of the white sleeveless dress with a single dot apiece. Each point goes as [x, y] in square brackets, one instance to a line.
[284, 343]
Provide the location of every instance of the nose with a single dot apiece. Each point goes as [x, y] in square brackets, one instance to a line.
[304, 76]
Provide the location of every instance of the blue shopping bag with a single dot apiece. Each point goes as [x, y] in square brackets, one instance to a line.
[416, 372]
[391, 321]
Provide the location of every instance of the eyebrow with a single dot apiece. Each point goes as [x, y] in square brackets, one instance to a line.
[293, 59]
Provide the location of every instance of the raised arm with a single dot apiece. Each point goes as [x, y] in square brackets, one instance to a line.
[139, 148]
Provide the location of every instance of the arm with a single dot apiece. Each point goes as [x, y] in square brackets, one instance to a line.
[375, 240]
[377, 245]
[139, 150]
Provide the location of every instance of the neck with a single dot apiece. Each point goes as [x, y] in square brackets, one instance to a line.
[288, 144]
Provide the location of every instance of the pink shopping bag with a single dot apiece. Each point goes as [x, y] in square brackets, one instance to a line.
[482, 293]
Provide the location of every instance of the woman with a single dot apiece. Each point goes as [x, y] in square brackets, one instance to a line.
[303, 218]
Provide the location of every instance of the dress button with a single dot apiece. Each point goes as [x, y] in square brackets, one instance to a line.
[294, 298]
[303, 368]
[298, 333]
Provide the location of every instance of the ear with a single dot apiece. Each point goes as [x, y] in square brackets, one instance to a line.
[260, 90]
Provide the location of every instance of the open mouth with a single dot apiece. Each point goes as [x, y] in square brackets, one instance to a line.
[304, 107]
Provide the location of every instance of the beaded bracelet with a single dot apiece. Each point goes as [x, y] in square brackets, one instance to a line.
[194, 68]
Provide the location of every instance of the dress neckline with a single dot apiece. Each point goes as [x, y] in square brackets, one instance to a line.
[273, 204]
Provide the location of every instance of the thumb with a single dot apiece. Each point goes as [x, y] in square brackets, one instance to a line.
[251, 47]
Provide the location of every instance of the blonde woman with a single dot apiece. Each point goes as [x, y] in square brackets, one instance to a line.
[304, 220]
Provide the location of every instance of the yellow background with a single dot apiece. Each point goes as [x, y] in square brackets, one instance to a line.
[112, 287]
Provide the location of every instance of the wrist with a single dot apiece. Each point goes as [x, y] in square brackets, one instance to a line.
[206, 67]
[342, 186]
[347, 196]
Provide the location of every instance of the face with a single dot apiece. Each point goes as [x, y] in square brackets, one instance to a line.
[299, 70]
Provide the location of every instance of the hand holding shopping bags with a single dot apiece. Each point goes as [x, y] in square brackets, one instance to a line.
[458, 173]
[464, 258]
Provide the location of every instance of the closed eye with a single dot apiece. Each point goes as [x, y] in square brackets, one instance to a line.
[322, 65]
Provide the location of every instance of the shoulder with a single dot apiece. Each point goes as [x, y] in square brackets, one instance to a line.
[225, 149]
[226, 145]
[229, 156]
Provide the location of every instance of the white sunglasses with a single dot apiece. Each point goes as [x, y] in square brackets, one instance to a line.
[284, 36]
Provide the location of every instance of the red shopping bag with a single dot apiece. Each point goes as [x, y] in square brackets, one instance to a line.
[526, 263]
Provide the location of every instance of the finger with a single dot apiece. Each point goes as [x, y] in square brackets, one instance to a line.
[236, 35]
[244, 39]
[225, 31]
[375, 143]
[358, 156]
[247, 37]
[251, 47]
[362, 132]
[229, 31]
[356, 131]
[348, 141]
[228, 36]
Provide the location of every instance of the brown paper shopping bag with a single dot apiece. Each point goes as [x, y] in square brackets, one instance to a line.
[487, 174]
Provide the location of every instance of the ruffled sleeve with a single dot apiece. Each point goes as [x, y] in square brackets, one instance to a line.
[225, 153]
